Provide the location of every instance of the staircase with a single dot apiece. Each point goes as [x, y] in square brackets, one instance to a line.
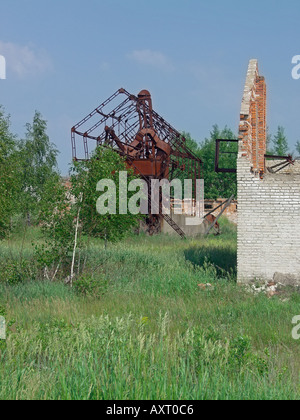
[174, 225]
[166, 217]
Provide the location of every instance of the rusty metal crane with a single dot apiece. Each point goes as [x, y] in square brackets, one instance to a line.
[150, 145]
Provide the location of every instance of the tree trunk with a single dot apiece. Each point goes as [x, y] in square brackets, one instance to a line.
[28, 221]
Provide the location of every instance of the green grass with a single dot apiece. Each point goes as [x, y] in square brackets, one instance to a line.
[154, 333]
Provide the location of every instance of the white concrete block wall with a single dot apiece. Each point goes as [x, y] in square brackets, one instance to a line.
[268, 223]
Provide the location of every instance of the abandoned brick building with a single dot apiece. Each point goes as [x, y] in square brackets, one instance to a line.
[268, 197]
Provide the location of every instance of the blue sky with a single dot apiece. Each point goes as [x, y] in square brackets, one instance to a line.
[66, 57]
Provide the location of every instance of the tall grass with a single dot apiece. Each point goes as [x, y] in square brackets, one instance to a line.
[153, 333]
[123, 359]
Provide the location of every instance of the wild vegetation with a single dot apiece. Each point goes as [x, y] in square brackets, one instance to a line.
[137, 325]
[94, 311]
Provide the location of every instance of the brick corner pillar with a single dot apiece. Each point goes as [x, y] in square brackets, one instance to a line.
[253, 130]
[250, 170]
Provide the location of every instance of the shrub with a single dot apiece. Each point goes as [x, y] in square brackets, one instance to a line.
[15, 272]
[91, 285]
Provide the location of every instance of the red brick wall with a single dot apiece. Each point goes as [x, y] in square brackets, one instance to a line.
[253, 132]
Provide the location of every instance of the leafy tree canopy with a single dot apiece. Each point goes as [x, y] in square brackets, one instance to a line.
[105, 164]
[8, 174]
[38, 159]
[280, 146]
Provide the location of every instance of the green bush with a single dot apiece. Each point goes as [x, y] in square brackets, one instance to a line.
[15, 272]
[2, 311]
[91, 285]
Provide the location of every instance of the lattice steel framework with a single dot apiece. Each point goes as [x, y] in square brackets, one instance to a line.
[151, 146]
